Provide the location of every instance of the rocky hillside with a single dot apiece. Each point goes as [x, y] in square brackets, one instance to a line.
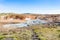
[24, 17]
[10, 18]
[29, 27]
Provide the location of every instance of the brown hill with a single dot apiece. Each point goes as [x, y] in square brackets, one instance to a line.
[23, 17]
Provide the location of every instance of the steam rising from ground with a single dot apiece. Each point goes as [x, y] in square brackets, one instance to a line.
[26, 24]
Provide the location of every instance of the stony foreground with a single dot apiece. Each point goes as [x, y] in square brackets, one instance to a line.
[37, 32]
[29, 27]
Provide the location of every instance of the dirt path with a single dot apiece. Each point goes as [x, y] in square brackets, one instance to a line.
[35, 36]
[8, 39]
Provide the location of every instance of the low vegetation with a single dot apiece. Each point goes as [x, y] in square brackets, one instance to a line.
[36, 32]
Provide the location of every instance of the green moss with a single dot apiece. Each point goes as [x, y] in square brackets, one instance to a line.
[1, 37]
[58, 30]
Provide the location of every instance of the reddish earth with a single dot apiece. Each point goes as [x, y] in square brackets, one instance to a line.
[15, 18]
[18, 18]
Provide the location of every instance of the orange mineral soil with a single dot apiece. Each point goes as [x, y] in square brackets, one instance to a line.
[18, 18]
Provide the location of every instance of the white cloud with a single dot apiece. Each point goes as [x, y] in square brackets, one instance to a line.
[5, 9]
[50, 11]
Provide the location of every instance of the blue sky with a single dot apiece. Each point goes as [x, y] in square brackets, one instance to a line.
[30, 6]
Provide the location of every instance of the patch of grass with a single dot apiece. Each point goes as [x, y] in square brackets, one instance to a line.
[43, 32]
